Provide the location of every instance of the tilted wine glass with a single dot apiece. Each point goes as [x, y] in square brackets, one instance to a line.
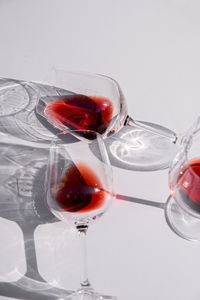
[96, 102]
[79, 190]
[182, 210]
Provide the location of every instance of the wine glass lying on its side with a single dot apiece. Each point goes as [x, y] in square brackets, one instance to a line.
[76, 194]
[182, 210]
[95, 102]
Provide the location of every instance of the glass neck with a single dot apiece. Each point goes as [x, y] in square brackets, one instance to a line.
[153, 128]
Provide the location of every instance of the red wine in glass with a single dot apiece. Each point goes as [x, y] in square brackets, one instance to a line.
[189, 185]
[80, 112]
[79, 190]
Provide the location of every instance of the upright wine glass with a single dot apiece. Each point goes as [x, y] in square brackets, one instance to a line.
[96, 102]
[79, 190]
[182, 209]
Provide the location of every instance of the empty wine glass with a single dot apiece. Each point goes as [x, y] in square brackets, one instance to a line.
[79, 191]
[96, 102]
[182, 209]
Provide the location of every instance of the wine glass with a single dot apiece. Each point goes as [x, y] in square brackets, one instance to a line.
[79, 191]
[96, 102]
[182, 210]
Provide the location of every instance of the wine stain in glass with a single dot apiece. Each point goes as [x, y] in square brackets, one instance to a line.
[189, 184]
[79, 190]
[80, 112]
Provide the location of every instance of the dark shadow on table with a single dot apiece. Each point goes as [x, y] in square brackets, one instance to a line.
[22, 174]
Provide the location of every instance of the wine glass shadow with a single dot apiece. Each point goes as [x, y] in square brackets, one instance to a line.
[24, 144]
[22, 200]
[24, 141]
[127, 149]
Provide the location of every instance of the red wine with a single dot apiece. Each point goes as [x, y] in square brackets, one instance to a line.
[80, 190]
[81, 112]
[189, 185]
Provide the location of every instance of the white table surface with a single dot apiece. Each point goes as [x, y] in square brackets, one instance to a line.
[152, 48]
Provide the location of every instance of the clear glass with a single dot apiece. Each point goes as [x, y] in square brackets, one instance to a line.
[182, 209]
[96, 102]
[79, 191]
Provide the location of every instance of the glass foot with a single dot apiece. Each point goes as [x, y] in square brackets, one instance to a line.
[182, 222]
[135, 148]
[88, 294]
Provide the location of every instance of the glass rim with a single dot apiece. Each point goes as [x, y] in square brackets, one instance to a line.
[86, 73]
[186, 146]
[52, 82]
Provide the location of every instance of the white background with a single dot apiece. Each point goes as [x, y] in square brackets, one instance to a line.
[152, 48]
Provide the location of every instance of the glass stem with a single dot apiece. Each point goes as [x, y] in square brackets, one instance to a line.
[82, 230]
[165, 133]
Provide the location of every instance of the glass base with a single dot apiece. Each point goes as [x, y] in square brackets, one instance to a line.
[88, 294]
[181, 221]
[135, 148]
